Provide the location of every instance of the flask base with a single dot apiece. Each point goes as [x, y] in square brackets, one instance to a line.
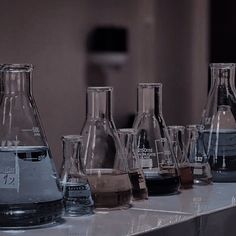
[28, 215]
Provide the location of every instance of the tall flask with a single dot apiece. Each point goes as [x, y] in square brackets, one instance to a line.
[154, 148]
[219, 123]
[106, 167]
[29, 187]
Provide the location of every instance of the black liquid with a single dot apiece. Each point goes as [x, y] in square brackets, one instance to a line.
[30, 214]
[223, 169]
[162, 184]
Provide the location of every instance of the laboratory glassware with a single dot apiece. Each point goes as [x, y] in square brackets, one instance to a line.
[29, 185]
[177, 137]
[75, 186]
[219, 136]
[129, 145]
[106, 167]
[197, 155]
[153, 141]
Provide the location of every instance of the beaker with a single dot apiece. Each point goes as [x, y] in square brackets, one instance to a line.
[76, 189]
[177, 137]
[30, 191]
[153, 142]
[128, 142]
[219, 136]
[197, 155]
[106, 167]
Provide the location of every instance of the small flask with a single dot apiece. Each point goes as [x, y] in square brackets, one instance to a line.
[128, 142]
[106, 167]
[197, 155]
[219, 120]
[153, 141]
[177, 137]
[74, 182]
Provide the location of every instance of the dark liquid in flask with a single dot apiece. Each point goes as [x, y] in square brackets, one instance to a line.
[186, 177]
[223, 168]
[110, 189]
[139, 189]
[29, 189]
[162, 184]
[221, 149]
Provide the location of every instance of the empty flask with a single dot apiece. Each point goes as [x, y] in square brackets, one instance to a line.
[76, 189]
[177, 137]
[106, 167]
[30, 191]
[128, 142]
[153, 141]
[219, 122]
[197, 155]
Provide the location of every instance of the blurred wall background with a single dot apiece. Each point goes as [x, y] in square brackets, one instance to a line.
[167, 40]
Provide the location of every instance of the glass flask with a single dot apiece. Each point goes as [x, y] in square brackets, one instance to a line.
[128, 142]
[197, 155]
[177, 137]
[219, 122]
[76, 189]
[30, 191]
[103, 158]
[153, 141]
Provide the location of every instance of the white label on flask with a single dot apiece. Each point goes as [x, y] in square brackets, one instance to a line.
[197, 171]
[146, 163]
[9, 171]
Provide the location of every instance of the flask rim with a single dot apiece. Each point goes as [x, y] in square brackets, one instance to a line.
[16, 68]
[176, 127]
[100, 89]
[72, 138]
[222, 65]
[127, 131]
[150, 85]
[195, 126]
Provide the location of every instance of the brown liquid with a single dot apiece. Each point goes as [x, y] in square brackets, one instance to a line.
[186, 177]
[139, 188]
[110, 189]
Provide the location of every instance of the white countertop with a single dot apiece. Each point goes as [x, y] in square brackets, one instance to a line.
[151, 216]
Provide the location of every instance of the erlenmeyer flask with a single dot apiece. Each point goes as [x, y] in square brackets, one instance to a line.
[154, 148]
[220, 125]
[30, 190]
[76, 190]
[197, 155]
[177, 137]
[128, 142]
[106, 166]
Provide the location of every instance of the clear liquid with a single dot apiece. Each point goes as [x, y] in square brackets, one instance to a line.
[221, 149]
[201, 173]
[77, 199]
[29, 187]
[139, 188]
[110, 189]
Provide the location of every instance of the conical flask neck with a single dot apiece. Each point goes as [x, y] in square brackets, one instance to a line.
[150, 98]
[15, 78]
[99, 102]
[72, 146]
[222, 82]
